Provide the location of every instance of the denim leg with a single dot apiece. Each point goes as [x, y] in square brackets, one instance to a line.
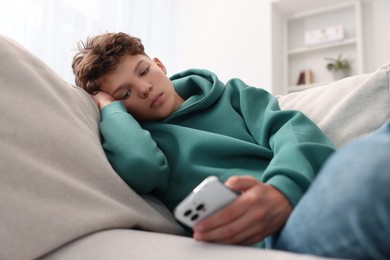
[346, 212]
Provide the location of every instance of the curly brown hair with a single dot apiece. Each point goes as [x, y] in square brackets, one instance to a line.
[100, 55]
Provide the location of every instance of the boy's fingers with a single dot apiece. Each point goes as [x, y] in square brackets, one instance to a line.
[241, 183]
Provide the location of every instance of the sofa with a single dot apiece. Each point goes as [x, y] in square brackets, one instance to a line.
[60, 198]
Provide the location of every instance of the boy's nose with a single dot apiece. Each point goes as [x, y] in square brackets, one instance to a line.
[144, 92]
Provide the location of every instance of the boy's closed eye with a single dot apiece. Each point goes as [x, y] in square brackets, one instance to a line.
[144, 71]
[125, 95]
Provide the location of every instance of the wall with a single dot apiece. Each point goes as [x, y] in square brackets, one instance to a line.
[229, 37]
[376, 24]
[232, 37]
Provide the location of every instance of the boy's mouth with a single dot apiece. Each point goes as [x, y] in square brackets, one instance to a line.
[157, 100]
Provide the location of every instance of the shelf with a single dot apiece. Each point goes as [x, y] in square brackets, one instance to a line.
[322, 10]
[322, 46]
[290, 54]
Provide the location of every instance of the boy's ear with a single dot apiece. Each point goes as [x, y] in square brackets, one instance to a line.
[160, 64]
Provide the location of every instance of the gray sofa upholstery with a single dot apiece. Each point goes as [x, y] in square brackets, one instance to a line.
[59, 196]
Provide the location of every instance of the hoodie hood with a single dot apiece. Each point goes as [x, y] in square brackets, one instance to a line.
[199, 88]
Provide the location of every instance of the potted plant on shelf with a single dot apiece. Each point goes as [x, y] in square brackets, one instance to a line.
[338, 66]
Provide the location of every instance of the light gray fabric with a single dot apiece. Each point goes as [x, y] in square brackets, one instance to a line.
[346, 109]
[56, 184]
[114, 244]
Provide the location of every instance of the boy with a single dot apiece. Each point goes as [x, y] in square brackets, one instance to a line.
[166, 135]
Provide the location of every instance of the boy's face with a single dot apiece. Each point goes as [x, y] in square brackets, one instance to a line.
[142, 85]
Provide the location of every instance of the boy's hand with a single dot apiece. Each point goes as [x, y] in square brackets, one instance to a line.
[102, 99]
[258, 212]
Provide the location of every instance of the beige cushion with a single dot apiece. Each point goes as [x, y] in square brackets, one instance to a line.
[56, 184]
[114, 245]
[346, 109]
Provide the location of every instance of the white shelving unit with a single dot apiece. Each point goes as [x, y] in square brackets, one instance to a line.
[290, 53]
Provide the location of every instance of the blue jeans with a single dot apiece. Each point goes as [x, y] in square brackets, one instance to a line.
[346, 211]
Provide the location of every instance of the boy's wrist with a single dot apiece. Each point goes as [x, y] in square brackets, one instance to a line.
[113, 108]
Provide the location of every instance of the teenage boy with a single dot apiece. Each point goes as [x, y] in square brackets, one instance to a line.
[165, 135]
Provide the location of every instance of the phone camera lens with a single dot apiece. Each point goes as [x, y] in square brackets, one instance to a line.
[200, 207]
[187, 213]
[194, 217]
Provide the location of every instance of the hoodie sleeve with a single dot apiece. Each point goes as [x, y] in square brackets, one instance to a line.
[132, 152]
[298, 146]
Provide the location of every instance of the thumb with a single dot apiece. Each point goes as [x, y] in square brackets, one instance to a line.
[241, 183]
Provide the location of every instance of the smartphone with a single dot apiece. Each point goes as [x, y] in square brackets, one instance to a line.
[208, 197]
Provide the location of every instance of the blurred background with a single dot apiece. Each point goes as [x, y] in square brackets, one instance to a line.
[234, 38]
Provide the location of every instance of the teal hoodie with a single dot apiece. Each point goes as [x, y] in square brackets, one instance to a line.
[221, 130]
